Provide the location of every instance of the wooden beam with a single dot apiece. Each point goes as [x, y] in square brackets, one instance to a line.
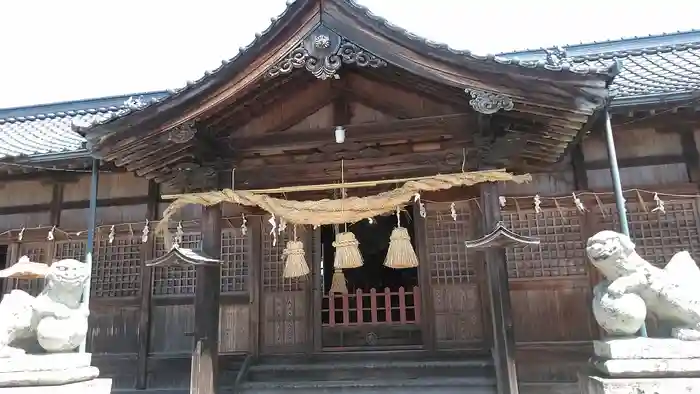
[636, 162]
[205, 368]
[147, 249]
[107, 202]
[499, 297]
[371, 131]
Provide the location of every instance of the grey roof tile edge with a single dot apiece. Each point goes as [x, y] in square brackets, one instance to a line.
[608, 46]
[637, 52]
[577, 69]
[92, 106]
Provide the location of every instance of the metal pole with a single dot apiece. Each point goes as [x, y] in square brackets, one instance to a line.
[92, 218]
[617, 187]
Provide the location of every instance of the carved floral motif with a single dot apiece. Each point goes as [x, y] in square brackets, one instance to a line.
[488, 102]
[323, 53]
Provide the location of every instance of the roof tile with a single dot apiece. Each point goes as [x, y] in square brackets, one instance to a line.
[652, 71]
[54, 129]
[670, 65]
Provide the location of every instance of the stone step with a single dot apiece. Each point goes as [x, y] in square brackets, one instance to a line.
[472, 385]
[369, 370]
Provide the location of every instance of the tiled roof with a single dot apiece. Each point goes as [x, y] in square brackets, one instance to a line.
[663, 65]
[533, 63]
[661, 70]
[48, 129]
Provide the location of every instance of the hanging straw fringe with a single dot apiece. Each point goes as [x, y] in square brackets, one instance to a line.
[347, 251]
[295, 260]
[400, 254]
[339, 284]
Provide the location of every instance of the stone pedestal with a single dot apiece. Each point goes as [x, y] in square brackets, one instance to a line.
[54, 372]
[643, 366]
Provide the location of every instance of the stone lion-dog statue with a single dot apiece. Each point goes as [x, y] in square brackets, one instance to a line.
[634, 287]
[55, 319]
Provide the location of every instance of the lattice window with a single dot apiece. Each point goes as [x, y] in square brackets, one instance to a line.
[658, 236]
[561, 251]
[116, 267]
[70, 250]
[449, 260]
[176, 280]
[38, 253]
[273, 265]
[234, 256]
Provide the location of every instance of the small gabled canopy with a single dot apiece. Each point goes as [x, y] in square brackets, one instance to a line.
[553, 101]
[178, 256]
[500, 237]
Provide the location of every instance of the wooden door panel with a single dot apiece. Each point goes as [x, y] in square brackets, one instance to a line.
[454, 277]
[286, 304]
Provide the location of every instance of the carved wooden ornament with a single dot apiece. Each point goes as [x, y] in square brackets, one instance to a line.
[322, 53]
[488, 102]
[182, 133]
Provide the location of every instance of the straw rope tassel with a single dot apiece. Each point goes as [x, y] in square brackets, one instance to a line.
[295, 259]
[347, 251]
[339, 285]
[400, 254]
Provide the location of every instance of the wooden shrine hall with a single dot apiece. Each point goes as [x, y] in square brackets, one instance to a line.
[331, 103]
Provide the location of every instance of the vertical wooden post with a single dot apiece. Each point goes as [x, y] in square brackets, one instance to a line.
[147, 249]
[578, 164]
[255, 233]
[428, 314]
[499, 297]
[691, 156]
[205, 360]
[316, 264]
[54, 216]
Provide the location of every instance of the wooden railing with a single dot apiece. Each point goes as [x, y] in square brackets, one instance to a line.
[375, 307]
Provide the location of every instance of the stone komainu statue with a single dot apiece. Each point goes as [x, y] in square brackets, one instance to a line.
[55, 319]
[633, 287]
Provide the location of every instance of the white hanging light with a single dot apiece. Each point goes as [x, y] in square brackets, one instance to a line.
[339, 134]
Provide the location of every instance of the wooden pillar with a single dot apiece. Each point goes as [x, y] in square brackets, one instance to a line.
[427, 306]
[205, 359]
[147, 249]
[691, 157]
[499, 297]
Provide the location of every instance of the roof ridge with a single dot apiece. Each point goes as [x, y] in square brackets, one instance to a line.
[610, 55]
[71, 108]
[618, 45]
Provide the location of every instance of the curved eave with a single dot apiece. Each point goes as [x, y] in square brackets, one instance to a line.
[160, 112]
[344, 13]
[572, 92]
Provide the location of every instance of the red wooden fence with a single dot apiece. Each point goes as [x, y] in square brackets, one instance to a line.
[383, 307]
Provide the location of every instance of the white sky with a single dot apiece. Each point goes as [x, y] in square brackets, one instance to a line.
[58, 50]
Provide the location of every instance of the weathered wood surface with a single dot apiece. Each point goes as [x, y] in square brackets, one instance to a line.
[549, 282]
